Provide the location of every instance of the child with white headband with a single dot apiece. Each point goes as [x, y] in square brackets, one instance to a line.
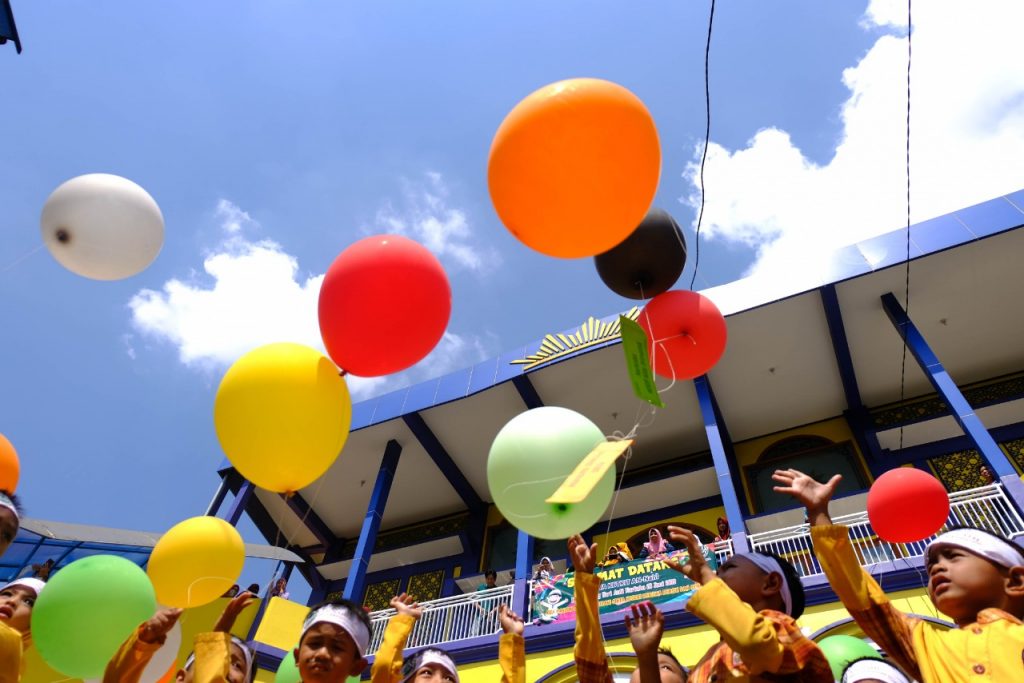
[218, 656]
[333, 644]
[753, 602]
[871, 670]
[433, 665]
[975, 578]
[16, 601]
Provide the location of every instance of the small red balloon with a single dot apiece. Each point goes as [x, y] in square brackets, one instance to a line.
[686, 334]
[906, 505]
[384, 305]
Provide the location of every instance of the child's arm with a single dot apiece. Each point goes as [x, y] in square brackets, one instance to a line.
[860, 594]
[387, 663]
[645, 631]
[11, 644]
[511, 647]
[591, 660]
[134, 655]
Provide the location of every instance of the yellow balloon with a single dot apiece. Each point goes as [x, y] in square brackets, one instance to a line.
[196, 562]
[282, 415]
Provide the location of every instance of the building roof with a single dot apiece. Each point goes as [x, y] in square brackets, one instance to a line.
[782, 368]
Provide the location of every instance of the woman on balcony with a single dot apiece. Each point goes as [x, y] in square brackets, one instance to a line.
[656, 546]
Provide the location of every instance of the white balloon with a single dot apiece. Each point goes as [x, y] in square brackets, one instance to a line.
[102, 226]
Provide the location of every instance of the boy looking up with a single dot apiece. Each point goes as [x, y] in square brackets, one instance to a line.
[974, 577]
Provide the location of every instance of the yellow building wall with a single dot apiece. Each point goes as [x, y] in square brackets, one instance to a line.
[688, 644]
[747, 452]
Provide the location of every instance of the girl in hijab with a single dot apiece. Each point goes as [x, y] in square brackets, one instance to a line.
[656, 546]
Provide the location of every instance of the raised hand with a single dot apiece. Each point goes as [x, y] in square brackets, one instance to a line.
[812, 494]
[405, 604]
[584, 557]
[696, 567]
[155, 629]
[510, 621]
[645, 627]
[226, 622]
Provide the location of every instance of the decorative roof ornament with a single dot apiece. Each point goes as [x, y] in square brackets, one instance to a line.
[590, 333]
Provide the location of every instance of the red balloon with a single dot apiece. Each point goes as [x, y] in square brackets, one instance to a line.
[384, 305]
[686, 334]
[907, 505]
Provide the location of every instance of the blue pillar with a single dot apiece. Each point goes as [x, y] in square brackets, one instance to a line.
[718, 455]
[218, 498]
[524, 572]
[961, 410]
[239, 503]
[356, 581]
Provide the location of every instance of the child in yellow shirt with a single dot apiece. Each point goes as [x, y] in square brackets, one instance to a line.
[974, 577]
[16, 601]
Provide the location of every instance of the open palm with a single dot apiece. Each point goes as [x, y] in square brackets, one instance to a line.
[810, 493]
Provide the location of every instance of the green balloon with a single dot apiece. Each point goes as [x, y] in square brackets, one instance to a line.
[87, 610]
[531, 457]
[287, 672]
[841, 650]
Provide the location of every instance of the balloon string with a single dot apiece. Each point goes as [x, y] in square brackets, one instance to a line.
[13, 264]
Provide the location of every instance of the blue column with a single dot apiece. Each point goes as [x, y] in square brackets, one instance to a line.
[239, 503]
[718, 455]
[218, 498]
[356, 581]
[524, 572]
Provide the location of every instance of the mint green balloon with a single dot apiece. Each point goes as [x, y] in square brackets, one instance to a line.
[87, 610]
[531, 457]
[287, 672]
[841, 650]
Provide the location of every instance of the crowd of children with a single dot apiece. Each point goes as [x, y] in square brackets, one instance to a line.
[753, 600]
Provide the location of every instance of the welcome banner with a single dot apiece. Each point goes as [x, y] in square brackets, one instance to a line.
[622, 585]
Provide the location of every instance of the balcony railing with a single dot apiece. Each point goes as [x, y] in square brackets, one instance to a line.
[476, 614]
[453, 618]
[986, 507]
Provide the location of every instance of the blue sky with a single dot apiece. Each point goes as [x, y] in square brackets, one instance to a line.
[274, 134]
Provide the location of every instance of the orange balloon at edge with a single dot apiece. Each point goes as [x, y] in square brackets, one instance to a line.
[559, 182]
[10, 466]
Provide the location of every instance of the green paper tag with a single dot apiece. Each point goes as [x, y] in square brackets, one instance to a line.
[638, 361]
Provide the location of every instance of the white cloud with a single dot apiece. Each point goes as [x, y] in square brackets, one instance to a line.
[259, 297]
[425, 216]
[967, 140]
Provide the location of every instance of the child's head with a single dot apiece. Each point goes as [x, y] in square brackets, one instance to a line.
[430, 665]
[242, 668]
[669, 668]
[333, 644]
[723, 527]
[970, 570]
[10, 514]
[16, 601]
[764, 581]
[872, 670]
[490, 577]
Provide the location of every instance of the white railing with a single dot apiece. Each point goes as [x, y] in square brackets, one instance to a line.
[986, 507]
[454, 618]
[723, 550]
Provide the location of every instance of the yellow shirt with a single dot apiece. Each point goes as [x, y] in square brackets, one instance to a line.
[11, 648]
[991, 649]
[212, 651]
[387, 663]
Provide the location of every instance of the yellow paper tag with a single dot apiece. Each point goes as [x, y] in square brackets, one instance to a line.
[584, 478]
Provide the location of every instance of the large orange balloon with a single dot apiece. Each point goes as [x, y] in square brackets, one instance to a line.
[574, 167]
[10, 467]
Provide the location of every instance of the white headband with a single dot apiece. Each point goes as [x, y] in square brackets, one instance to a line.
[982, 544]
[340, 616]
[873, 669]
[246, 652]
[6, 502]
[433, 656]
[770, 565]
[35, 584]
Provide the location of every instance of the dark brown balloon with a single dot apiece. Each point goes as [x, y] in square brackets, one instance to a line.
[648, 262]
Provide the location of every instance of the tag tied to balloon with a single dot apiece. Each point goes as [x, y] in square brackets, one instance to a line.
[531, 457]
[87, 610]
[384, 305]
[196, 562]
[648, 262]
[102, 226]
[574, 167]
[906, 505]
[282, 415]
[686, 333]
